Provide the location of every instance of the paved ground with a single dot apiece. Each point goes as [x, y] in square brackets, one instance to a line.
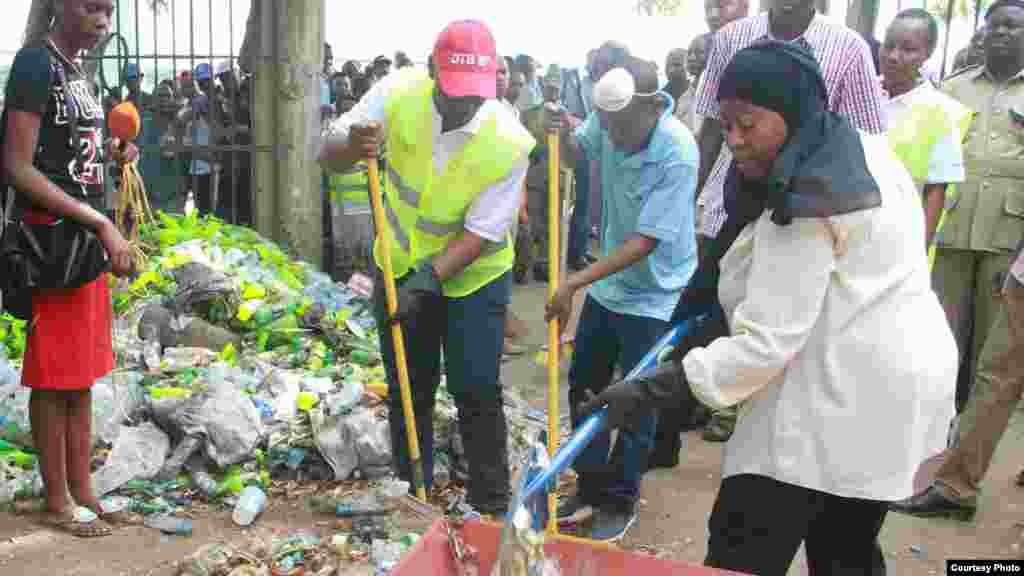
[672, 522]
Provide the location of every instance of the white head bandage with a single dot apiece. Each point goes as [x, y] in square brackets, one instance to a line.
[616, 90]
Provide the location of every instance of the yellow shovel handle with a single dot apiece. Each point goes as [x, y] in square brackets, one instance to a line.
[554, 331]
[381, 223]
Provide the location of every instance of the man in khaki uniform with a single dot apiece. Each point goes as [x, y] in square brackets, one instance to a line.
[954, 492]
[532, 253]
[986, 222]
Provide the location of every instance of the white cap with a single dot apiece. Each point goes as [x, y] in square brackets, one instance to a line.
[615, 90]
[222, 67]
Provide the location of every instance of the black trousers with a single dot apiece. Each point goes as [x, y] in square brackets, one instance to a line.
[758, 523]
[203, 193]
[471, 332]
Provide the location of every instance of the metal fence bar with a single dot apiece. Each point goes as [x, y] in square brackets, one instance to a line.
[138, 42]
[229, 151]
[235, 157]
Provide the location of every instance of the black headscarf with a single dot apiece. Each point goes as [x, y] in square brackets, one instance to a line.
[820, 171]
[1004, 4]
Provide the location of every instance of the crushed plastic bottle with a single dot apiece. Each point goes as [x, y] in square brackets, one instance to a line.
[205, 483]
[170, 525]
[346, 399]
[386, 555]
[366, 505]
[250, 505]
[392, 488]
[111, 504]
[318, 385]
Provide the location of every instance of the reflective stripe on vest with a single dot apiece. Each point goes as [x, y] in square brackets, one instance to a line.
[408, 195]
[434, 228]
[426, 209]
[352, 186]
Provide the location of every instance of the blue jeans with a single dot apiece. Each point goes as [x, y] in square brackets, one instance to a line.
[605, 339]
[471, 330]
[579, 224]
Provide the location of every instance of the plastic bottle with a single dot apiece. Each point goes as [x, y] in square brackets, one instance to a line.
[361, 357]
[391, 488]
[190, 204]
[151, 353]
[345, 399]
[250, 505]
[170, 525]
[205, 483]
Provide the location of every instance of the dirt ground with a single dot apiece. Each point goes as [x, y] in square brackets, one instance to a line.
[672, 523]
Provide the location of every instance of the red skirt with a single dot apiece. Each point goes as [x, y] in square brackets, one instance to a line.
[69, 339]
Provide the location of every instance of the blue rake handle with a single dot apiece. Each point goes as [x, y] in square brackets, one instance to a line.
[597, 422]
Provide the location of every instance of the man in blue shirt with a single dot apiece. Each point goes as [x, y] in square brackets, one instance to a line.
[648, 179]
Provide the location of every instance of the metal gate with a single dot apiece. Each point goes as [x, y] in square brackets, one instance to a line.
[196, 101]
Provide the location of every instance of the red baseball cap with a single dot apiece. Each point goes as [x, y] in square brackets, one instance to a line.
[466, 60]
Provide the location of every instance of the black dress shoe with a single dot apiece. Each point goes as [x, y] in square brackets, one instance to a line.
[932, 503]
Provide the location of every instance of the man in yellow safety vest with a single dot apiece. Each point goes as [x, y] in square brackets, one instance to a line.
[457, 159]
[352, 221]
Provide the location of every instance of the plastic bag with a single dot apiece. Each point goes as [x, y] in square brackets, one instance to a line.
[233, 427]
[176, 461]
[373, 442]
[224, 419]
[333, 442]
[115, 399]
[15, 426]
[284, 389]
[138, 453]
[198, 283]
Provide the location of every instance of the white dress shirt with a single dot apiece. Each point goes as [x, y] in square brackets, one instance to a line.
[493, 213]
[840, 350]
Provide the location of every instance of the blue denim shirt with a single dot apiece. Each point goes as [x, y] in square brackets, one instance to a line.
[652, 193]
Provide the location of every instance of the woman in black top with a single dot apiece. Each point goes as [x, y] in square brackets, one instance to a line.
[53, 156]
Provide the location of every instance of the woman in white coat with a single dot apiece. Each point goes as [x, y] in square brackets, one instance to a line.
[823, 329]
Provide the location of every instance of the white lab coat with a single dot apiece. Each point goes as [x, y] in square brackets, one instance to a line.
[840, 349]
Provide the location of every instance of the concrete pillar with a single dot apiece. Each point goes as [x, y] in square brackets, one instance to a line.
[289, 204]
[300, 201]
[260, 55]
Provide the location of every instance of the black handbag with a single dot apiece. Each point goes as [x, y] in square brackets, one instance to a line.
[46, 256]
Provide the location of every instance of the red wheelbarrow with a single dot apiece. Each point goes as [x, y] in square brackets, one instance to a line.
[434, 554]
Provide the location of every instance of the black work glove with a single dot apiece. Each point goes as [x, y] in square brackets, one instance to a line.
[627, 401]
[420, 291]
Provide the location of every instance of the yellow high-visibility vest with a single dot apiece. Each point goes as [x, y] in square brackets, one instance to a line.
[426, 209]
[915, 134]
[352, 186]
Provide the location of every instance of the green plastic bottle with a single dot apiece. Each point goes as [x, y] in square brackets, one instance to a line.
[360, 357]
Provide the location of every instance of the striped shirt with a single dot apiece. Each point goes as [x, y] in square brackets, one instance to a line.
[845, 60]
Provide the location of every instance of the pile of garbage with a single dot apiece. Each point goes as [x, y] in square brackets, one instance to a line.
[237, 367]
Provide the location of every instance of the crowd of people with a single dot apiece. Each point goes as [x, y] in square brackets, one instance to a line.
[186, 115]
[841, 231]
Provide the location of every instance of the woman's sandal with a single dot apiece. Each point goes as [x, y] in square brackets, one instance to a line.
[78, 522]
